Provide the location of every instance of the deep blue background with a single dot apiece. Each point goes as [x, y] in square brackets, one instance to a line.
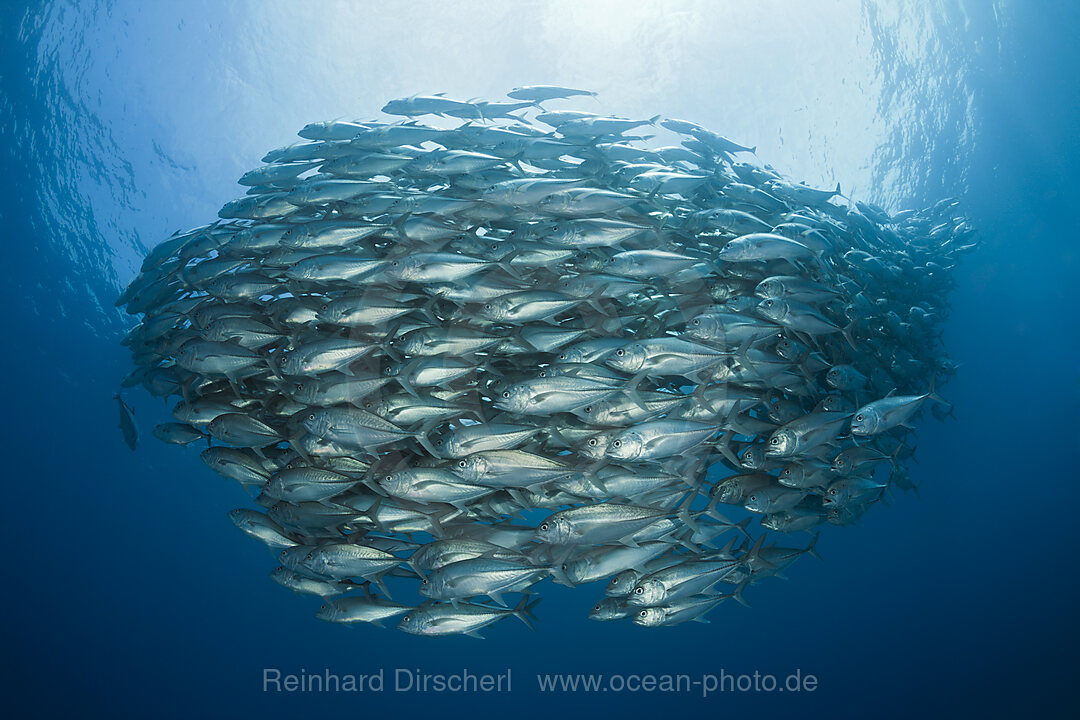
[127, 592]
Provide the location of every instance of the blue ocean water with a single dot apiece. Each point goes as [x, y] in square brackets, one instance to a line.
[130, 594]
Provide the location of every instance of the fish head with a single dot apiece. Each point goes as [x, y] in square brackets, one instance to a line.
[705, 327]
[555, 530]
[331, 312]
[412, 342]
[393, 369]
[770, 288]
[627, 446]
[212, 457]
[629, 358]
[730, 251]
[429, 586]
[416, 622]
[574, 571]
[404, 269]
[865, 422]
[595, 447]
[836, 403]
[292, 363]
[187, 355]
[782, 443]
[275, 488]
[774, 521]
[239, 517]
[313, 561]
[397, 107]
[834, 377]
[841, 463]
[427, 163]
[295, 237]
[773, 308]
[758, 502]
[471, 468]
[315, 422]
[397, 484]
[328, 612]
[290, 558]
[598, 413]
[621, 584]
[303, 391]
[281, 576]
[787, 348]
[834, 496]
[219, 426]
[514, 399]
[576, 286]
[608, 609]
[726, 491]
[649, 617]
[791, 474]
[649, 591]
[561, 234]
[753, 458]
[450, 445]
[591, 261]
[496, 310]
[493, 251]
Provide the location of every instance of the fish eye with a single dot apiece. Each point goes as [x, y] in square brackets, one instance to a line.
[462, 464]
[506, 394]
[311, 416]
[619, 353]
[563, 566]
[543, 526]
[394, 263]
[775, 441]
[642, 613]
[406, 618]
[617, 443]
[543, 374]
[697, 321]
[424, 582]
[639, 590]
[858, 417]
[592, 441]
[588, 408]
[388, 478]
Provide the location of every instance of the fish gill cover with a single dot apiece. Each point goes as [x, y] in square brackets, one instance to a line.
[460, 359]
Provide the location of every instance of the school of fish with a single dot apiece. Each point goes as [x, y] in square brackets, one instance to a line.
[454, 359]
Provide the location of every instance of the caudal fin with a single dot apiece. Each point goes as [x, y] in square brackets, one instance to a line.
[810, 548]
[523, 611]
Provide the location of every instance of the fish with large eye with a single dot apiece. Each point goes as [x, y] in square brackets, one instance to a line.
[407, 336]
